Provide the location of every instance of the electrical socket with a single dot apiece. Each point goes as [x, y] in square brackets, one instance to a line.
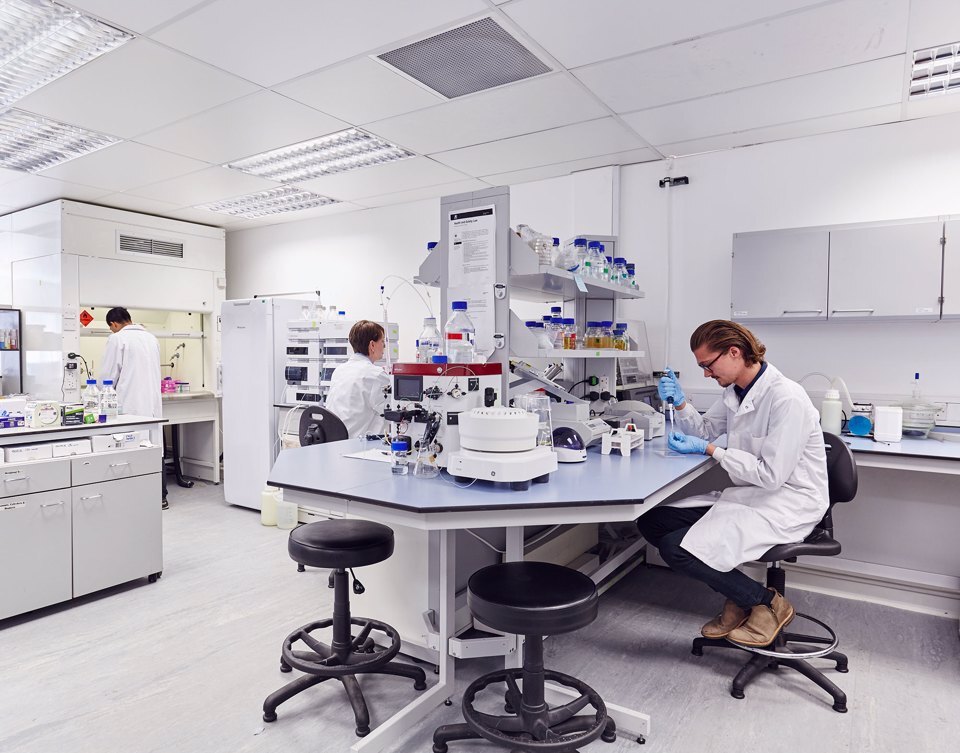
[70, 380]
[604, 384]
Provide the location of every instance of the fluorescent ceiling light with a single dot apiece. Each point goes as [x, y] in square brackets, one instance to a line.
[936, 71]
[273, 201]
[41, 41]
[337, 153]
[31, 143]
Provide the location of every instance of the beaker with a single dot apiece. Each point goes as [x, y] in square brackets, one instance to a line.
[539, 405]
[426, 466]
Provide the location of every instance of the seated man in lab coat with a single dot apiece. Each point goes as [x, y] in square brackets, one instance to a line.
[356, 393]
[132, 361]
[775, 456]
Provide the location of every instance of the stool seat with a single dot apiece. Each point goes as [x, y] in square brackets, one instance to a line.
[532, 598]
[340, 543]
[817, 543]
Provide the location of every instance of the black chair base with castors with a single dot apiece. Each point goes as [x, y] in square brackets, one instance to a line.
[341, 545]
[795, 650]
[532, 599]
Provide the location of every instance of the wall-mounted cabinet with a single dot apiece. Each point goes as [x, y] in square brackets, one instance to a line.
[886, 272]
[780, 276]
[951, 270]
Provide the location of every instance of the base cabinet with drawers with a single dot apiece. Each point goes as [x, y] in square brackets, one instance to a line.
[98, 527]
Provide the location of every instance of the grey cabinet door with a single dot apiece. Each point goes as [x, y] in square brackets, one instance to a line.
[780, 276]
[117, 532]
[34, 551]
[951, 271]
[886, 272]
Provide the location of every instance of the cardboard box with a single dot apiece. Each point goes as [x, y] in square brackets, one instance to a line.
[71, 414]
[71, 447]
[13, 421]
[25, 452]
[119, 441]
[42, 413]
[12, 406]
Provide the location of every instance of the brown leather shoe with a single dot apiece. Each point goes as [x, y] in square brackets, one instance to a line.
[729, 619]
[764, 623]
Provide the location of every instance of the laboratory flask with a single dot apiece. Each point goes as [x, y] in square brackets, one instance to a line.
[459, 334]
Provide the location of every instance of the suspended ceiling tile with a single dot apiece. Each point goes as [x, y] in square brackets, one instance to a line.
[926, 107]
[136, 15]
[578, 141]
[138, 204]
[932, 23]
[7, 175]
[577, 32]
[855, 87]
[407, 174]
[360, 91]
[419, 194]
[524, 107]
[825, 37]
[271, 42]
[204, 187]
[812, 127]
[565, 168]
[201, 216]
[243, 127]
[124, 166]
[134, 89]
[307, 214]
[31, 190]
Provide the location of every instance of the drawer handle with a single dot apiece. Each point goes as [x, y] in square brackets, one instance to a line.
[852, 311]
[53, 504]
[803, 311]
[118, 465]
[92, 496]
[17, 478]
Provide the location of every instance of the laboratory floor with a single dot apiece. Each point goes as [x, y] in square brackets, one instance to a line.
[183, 665]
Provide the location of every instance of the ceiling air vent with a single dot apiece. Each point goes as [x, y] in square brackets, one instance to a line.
[131, 244]
[468, 59]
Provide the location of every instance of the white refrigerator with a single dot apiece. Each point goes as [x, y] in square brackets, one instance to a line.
[254, 338]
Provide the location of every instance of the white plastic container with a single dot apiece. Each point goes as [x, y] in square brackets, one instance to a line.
[268, 505]
[287, 513]
[831, 412]
[887, 423]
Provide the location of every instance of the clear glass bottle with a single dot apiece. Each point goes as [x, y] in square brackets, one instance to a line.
[544, 341]
[620, 339]
[606, 334]
[428, 344]
[569, 333]
[607, 267]
[398, 458]
[460, 335]
[556, 335]
[595, 260]
[591, 336]
[91, 402]
[619, 275]
[580, 254]
[632, 276]
[109, 407]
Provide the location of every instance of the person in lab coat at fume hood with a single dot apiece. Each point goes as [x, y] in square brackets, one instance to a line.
[776, 458]
[132, 361]
[356, 393]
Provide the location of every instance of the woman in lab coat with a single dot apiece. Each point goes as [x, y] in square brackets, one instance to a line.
[357, 387]
[776, 459]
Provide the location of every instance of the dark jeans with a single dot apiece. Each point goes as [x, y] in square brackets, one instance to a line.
[664, 527]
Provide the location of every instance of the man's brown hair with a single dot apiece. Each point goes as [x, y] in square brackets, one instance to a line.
[722, 335]
[362, 334]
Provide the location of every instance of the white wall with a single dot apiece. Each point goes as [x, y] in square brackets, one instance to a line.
[889, 172]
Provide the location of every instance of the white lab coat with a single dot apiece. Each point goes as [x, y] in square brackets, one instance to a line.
[132, 361]
[356, 395]
[775, 456]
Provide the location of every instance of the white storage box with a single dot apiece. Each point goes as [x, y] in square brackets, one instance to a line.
[71, 447]
[123, 440]
[26, 452]
[10, 406]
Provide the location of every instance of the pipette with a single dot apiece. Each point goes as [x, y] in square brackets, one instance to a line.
[670, 410]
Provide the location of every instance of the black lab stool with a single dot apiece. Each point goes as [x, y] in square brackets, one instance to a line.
[532, 599]
[340, 545]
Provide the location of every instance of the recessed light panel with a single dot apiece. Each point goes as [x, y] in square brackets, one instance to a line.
[273, 201]
[31, 143]
[337, 153]
[936, 71]
[41, 41]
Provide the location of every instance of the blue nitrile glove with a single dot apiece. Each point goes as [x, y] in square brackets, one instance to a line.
[669, 386]
[686, 444]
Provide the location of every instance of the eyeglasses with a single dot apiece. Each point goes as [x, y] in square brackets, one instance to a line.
[709, 366]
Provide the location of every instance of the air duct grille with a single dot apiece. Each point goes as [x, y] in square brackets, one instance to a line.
[133, 245]
[468, 59]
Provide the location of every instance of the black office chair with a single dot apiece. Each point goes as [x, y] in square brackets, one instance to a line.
[318, 425]
[341, 545]
[842, 478]
[532, 599]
